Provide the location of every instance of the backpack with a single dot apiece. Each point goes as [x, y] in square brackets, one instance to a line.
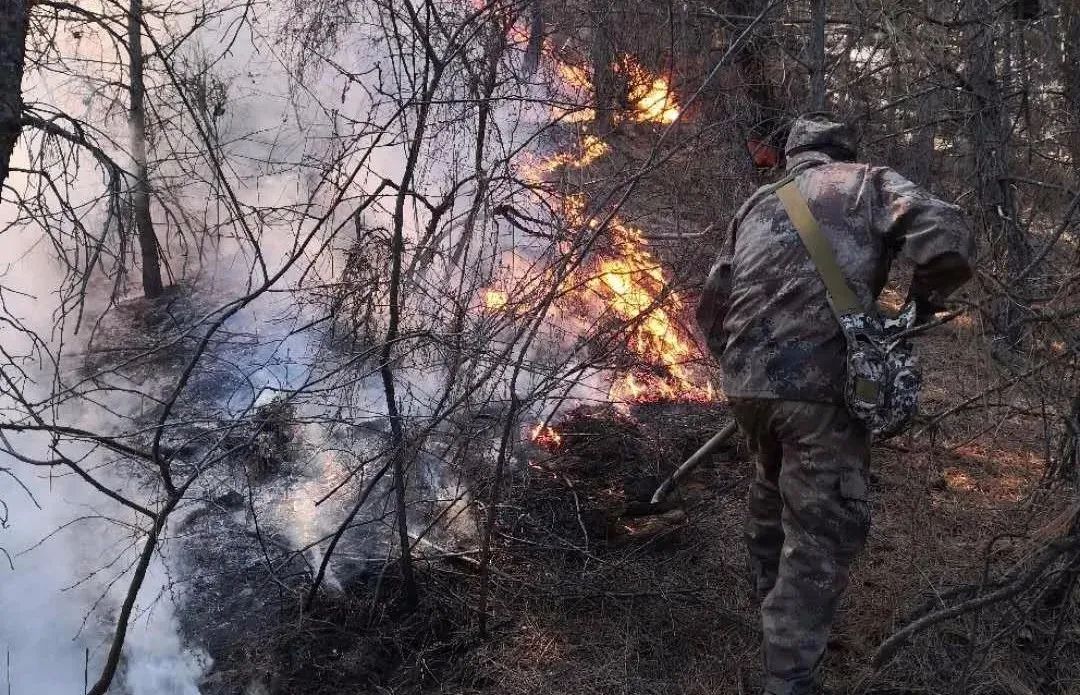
[882, 376]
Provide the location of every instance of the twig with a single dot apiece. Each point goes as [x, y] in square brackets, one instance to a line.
[891, 645]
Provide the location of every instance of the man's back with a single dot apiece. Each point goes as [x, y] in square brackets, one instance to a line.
[773, 329]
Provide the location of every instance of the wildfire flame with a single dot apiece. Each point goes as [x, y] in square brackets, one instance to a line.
[545, 436]
[534, 169]
[632, 285]
[626, 279]
[650, 94]
[576, 83]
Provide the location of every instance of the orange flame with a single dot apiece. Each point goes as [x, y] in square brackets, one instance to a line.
[535, 170]
[633, 286]
[576, 84]
[627, 279]
[545, 436]
[650, 94]
[630, 283]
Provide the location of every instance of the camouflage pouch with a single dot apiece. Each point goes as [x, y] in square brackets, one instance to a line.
[883, 378]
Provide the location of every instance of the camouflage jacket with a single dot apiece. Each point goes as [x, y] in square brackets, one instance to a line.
[764, 309]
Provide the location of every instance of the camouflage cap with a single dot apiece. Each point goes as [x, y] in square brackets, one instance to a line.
[819, 130]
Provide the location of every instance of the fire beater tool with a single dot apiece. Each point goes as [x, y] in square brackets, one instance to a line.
[691, 463]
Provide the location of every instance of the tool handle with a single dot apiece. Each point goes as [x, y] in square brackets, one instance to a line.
[691, 463]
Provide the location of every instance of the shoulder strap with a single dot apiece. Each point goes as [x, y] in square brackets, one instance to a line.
[844, 300]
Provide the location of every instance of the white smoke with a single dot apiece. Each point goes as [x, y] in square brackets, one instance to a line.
[68, 543]
[59, 604]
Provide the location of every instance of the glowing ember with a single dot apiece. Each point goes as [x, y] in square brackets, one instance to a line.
[495, 299]
[545, 436]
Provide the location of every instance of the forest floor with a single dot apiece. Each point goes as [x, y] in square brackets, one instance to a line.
[956, 503]
[673, 612]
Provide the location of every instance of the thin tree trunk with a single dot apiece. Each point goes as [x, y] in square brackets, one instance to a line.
[989, 132]
[603, 56]
[397, 252]
[818, 11]
[1070, 77]
[536, 37]
[506, 448]
[496, 46]
[13, 23]
[116, 648]
[140, 196]
[758, 114]
[1067, 465]
[923, 148]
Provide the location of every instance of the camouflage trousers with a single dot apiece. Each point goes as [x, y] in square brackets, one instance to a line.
[808, 518]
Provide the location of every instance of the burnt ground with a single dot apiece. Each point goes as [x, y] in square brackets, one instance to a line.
[605, 601]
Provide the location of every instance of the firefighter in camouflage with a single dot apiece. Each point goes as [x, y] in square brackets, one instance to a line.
[766, 317]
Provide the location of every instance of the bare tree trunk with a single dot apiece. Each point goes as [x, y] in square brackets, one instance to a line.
[536, 37]
[926, 110]
[13, 23]
[496, 46]
[603, 55]
[506, 447]
[116, 648]
[1066, 467]
[397, 428]
[990, 138]
[140, 196]
[818, 11]
[397, 253]
[758, 114]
